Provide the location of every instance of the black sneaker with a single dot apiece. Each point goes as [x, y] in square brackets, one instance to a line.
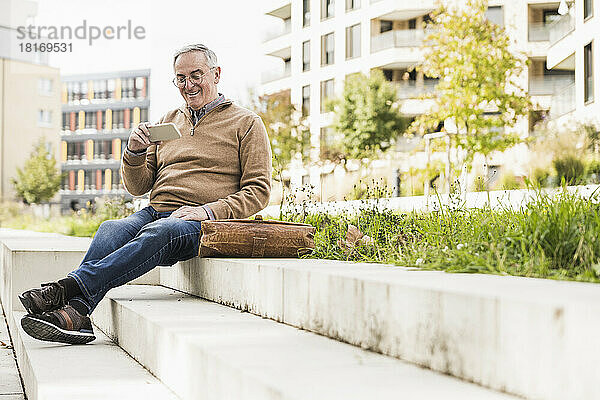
[65, 325]
[50, 297]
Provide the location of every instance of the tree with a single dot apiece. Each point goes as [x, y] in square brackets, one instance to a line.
[477, 87]
[287, 132]
[39, 180]
[368, 116]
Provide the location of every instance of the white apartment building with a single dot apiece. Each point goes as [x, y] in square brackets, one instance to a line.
[574, 46]
[320, 42]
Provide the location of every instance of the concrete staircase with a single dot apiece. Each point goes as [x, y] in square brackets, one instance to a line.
[204, 350]
[313, 329]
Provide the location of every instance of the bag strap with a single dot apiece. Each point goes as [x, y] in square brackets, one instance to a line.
[258, 246]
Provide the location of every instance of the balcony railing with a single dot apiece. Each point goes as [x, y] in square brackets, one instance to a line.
[550, 84]
[278, 31]
[539, 32]
[275, 74]
[562, 26]
[398, 38]
[411, 89]
[563, 101]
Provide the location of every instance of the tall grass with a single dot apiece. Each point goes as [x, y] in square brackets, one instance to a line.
[553, 236]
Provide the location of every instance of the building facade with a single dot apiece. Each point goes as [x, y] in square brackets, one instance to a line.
[98, 113]
[30, 98]
[320, 42]
[574, 47]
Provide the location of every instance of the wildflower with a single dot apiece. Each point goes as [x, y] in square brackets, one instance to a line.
[460, 246]
[420, 261]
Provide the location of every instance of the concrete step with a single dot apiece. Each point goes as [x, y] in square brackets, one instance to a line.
[203, 350]
[531, 337]
[30, 258]
[10, 380]
[99, 370]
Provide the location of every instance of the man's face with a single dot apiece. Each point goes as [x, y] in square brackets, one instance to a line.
[197, 94]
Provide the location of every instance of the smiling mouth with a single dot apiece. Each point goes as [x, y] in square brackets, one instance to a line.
[192, 94]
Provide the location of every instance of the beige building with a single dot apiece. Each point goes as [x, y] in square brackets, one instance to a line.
[29, 99]
[315, 44]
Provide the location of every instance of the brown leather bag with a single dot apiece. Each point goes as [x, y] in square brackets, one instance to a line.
[255, 238]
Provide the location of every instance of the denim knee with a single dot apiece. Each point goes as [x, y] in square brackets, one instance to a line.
[169, 227]
[108, 227]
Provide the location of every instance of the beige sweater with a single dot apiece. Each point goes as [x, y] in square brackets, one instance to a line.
[223, 162]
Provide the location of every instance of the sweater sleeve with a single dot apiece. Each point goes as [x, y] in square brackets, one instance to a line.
[255, 180]
[139, 171]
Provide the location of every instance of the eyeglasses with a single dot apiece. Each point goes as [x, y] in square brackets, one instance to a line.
[195, 78]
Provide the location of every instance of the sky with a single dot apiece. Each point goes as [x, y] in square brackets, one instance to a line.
[232, 28]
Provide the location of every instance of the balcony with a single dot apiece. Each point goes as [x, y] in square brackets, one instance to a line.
[411, 89]
[549, 84]
[539, 32]
[281, 30]
[276, 74]
[398, 38]
[562, 26]
[563, 102]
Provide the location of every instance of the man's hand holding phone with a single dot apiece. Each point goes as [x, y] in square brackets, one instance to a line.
[139, 138]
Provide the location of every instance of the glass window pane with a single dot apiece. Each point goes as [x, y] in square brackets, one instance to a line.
[495, 14]
[306, 55]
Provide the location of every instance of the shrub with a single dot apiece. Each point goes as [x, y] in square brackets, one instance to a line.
[509, 181]
[540, 177]
[593, 171]
[479, 184]
[569, 169]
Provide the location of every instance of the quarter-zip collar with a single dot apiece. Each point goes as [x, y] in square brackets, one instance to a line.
[217, 105]
[198, 114]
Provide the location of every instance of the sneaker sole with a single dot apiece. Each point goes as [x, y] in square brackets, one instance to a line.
[43, 330]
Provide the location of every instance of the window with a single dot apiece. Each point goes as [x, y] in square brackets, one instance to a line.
[327, 46]
[412, 23]
[353, 41]
[327, 9]
[326, 93]
[588, 9]
[352, 4]
[306, 100]
[306, 55]
[588, 74]
[385, 26]
[45, 86]
[495, 14]
[305, 12]
[44, 117]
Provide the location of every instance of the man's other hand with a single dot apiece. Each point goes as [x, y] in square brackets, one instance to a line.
[139, 138]
[190, 213]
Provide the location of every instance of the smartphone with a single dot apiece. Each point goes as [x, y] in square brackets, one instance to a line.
[166, 131]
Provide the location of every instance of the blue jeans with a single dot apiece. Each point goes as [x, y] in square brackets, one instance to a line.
[127, 248]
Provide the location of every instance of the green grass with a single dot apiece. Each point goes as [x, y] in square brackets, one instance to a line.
[551, 237]
[81, 223]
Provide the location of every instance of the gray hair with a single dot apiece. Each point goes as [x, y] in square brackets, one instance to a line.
[211, 57]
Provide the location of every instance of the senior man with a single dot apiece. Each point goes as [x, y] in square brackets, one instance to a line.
[219, 169]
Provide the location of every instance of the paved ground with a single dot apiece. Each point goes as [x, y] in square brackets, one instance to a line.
[10, 382]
